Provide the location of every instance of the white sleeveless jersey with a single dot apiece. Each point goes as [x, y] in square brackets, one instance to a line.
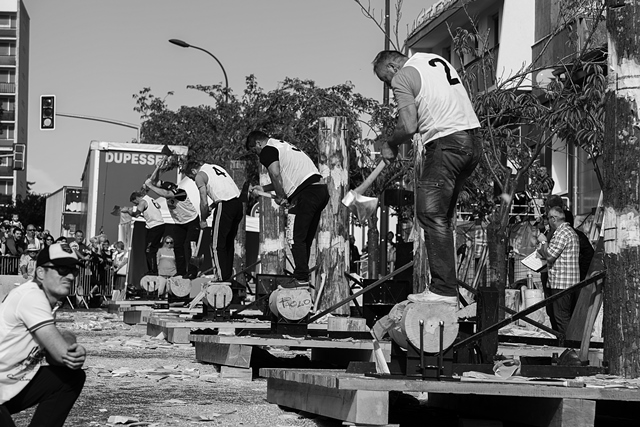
[295, 166]
[443, 104]
[152, 215]
[220, 185]
[181, 209]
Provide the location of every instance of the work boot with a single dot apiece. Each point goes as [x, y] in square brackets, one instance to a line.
[428, 296]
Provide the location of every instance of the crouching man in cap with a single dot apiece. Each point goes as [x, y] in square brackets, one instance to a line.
[39, 364]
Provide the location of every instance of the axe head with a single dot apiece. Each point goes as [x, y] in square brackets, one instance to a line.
[244, 193]
[166, 151]
[115, 211]
[361, 206]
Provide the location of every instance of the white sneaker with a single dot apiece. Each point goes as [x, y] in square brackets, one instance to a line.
[427, 296]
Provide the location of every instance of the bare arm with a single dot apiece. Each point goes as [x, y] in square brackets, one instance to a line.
[141, 207]
[406, 126]
[201, 182]
[276, 182]
[61, 348]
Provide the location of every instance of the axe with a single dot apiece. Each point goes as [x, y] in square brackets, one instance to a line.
[362, 206]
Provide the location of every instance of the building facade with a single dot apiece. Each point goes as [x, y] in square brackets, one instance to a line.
[14, 95]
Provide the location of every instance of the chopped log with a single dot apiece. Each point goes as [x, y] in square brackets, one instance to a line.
[218, 295]
[292, 304]
[272, 232]
[179, 287]
[152, 283]
[407, 330]
[238, 171]
[333, 231]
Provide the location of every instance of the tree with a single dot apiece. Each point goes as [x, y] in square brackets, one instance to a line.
[621, 157]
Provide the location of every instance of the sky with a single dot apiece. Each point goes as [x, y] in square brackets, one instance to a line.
[94, 55]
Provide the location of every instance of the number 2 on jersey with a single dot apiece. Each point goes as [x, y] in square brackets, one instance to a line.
[452, 81]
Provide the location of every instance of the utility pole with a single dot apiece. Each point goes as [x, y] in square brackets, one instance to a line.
[621, 324]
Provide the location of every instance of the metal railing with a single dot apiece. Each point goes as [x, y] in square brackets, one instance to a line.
[7, 87]
[94, 274]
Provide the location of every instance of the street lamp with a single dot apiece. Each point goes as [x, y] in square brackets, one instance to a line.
[226, 81]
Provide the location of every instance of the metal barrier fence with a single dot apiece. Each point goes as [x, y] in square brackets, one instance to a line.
[94, 274]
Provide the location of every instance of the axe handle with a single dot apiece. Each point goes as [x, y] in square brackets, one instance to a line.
[198, 244]
[263, 194]
[371, 178]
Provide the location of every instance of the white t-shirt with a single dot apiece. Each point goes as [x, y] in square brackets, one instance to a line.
[24, 311]
[442, 101]
[295, 166]
[220, 185]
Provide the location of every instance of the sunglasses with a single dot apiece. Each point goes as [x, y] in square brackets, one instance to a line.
[169, 242]
[31, 229]
[64, 270]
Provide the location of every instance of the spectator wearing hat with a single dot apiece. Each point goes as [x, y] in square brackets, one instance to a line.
[28, 337]
[28, 261]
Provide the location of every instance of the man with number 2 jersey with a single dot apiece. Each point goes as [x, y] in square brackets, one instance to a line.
[433, 102]
[215, 183]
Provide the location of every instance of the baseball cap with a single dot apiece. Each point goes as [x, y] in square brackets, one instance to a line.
[33, 247]
[58, 254]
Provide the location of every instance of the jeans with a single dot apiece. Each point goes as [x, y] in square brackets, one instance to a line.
[446, 164]
[308, 206]
[226, 218]
[54, 389]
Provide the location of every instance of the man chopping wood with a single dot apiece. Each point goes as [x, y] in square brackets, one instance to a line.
[296, 182]
[215, 183]
[433, 102]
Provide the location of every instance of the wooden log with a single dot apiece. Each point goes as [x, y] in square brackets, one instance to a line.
[292, 304]
[421, 273]
[272, 232]
[238, 171]
[179, 287]
[218, 295]
[432, 314]
[333, 233]
[152, 283]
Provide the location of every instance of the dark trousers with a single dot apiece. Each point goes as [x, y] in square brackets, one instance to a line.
[183, 235]
[563, 310]
[226, 218]
[54, 389]
[446, 164]
[308, 206]
[153, 242]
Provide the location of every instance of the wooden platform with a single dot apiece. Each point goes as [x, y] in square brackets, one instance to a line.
[236, 351]
[362, 400]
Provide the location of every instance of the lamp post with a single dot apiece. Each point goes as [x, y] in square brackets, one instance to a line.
[226, 81]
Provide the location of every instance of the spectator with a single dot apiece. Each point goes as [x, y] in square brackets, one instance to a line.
[166, 262]
[28, 261]
[119, 267]
[16, 245]
[561, 254]
[48, 240]
[82, 251]
[354, 255]
[28, 336]
[31, 236]
[15, 221]
[391, 252]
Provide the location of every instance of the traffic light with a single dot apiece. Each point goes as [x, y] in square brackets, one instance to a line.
[18, 157]
[47, 112]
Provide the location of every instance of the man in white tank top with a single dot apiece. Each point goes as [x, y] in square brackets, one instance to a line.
[149, 209]
[215, 183]
[433, 102]
[296, 181]
[185, 216]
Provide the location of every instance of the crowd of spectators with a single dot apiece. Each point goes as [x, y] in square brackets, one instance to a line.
[101, 260]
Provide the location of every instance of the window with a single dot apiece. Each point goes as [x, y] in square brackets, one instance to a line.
[494, 26]
[8, 132]
[4, 161]
[5, 20]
